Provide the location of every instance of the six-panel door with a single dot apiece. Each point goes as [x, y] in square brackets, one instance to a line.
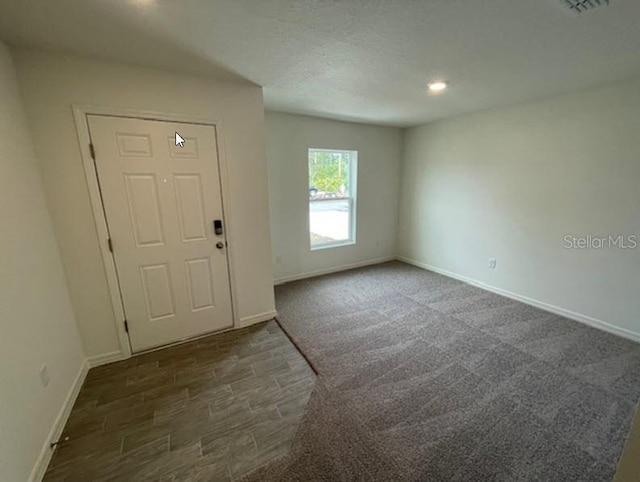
[160, 202]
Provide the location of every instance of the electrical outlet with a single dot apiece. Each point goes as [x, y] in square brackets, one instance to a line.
[492, 263]
[278, 259]
[44, 376]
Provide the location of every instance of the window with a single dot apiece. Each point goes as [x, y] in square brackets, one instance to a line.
[332, 197]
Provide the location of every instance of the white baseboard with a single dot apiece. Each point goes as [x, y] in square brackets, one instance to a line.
[58, 425]
[587, 320]
[97, 360]
[344, 267]
[259, 318]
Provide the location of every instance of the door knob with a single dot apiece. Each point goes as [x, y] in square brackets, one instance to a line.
[219, 245]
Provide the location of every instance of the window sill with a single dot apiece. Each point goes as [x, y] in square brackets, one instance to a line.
[337, 244]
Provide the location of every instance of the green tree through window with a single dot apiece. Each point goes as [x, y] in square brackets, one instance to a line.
[329, 171]
[333, 183]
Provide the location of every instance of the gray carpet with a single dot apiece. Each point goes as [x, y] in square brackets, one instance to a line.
[422, 377]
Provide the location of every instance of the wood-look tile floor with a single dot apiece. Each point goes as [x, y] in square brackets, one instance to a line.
[212, 409]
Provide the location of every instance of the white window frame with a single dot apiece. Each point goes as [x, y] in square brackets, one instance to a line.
[353, 195]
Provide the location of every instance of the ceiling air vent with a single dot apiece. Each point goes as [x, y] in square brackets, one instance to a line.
[581, 6]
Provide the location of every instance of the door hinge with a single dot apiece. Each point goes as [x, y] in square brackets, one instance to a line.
[93, 152]
[126, 326]
[110, 244]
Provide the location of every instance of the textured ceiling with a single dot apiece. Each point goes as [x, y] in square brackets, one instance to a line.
[364, 60]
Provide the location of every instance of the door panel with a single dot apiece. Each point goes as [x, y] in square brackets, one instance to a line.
[144, 209]
[190, 206]
[130, 145]
[200, 283]
[160, 201]
[188, 151]
[158, 292]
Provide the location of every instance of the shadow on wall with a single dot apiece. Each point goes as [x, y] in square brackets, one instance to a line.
[154, 46]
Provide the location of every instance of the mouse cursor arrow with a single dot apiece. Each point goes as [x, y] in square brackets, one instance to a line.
[179, 140]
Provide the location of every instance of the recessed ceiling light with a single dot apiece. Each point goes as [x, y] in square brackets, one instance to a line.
[438, 86]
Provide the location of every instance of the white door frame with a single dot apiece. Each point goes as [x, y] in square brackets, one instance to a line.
[80, 112]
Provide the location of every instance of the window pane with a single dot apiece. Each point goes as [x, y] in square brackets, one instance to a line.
[329, 221]
[331, 197]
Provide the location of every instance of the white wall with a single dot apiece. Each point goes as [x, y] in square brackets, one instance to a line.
[379, 160]
[511, 183]
[36, 316]
[50, 84]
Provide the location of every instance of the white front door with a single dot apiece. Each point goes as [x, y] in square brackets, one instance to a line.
[161, 201]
